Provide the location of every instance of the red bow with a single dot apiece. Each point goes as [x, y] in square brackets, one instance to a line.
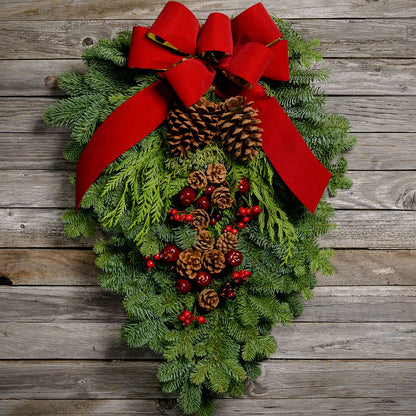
[189, 57]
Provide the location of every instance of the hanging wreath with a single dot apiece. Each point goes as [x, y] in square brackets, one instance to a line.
[204, 166]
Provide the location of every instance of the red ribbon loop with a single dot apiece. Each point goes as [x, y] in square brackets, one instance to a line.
[246, 49]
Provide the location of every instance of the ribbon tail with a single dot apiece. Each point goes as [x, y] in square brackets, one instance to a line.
[127, 125]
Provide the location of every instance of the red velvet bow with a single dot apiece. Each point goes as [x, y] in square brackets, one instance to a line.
[189, 57]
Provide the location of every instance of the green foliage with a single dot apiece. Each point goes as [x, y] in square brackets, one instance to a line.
[130, 202]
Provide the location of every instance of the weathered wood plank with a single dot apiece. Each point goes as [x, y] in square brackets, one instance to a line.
[48, 267]
[91, 304]
[371, 190]
[348, 76]
[126, 9]
[366, 114]
[358, 38]
[41, 228]
[81, 340]
[374, 151]
[76, 267]
[137, 380]
[226, 407]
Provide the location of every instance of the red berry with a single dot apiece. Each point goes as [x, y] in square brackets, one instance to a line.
[201, 320]
[209, 189]
[213, 221]
[203, 202]
[182, 217]
[256, 209]
[171, 217]
[246, 219]
[181, 318]
[203, 279]
[192, 317]
[228, 228]
[223, 295]
[188, 218]
[177, 217]
[241, 225]
[150, 264]
[243, 185]
[234, 231]
[157, 256]
[248, 211]
[186, 322]
[186, 314]
[231, 295]
[187, 197]
[173, 211]
[236, 275]
[245, 273]
[183, 286]
[170, 253]
[218, 216]
[234, 258]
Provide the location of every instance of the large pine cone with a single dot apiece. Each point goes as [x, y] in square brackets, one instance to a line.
[189, 263]
[197, 180]
[216, 173]
[222, 198]
[208, 299]
[213, 261]
[200, 219]
[205, 241]
[188, 128]
[238, 128]
[227, 242]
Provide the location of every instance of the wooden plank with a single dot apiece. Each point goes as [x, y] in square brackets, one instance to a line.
[374, 151]
[76, 267]
[42, 228]
[366, 114]
[348, 76]
[137, 380]
[82, 340]
[126, 9]
[358, 38]
[92, 304]
[48, 267]
[225, 407]
[371, 190]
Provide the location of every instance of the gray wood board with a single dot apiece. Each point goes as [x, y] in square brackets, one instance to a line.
[149, 9]
[366, 114]
[300, 379]
[348, 76]
[48, 267]
[97, 341]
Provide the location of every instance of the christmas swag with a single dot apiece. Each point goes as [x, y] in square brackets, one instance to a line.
[204, 165]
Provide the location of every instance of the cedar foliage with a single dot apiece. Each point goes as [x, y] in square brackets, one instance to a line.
[130, 202]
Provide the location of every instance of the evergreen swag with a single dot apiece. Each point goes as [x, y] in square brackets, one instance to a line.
[130, 202]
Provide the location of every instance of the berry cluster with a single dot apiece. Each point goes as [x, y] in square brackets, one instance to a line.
[246, 214]
[175, 215]
[241, 276]
[186, 318]
[230, 229]
[227, 292]
[170, 254]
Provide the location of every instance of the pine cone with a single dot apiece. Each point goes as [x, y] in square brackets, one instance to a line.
[189, 263]
[213, 261]
[200, 219]
[188, 128]
[197, 180]
[222, 198]
[227, 242]
[205, 241]
[216, 173]
[238, 128]
[208, 299]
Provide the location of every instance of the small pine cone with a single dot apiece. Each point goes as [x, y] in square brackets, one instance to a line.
[238, 128]
[197, 180]
[200, 219]
[213, 261]
[216, 173]
[222, 198]
[189, 263]
[205, 241]
[208, 299]
[189, 128]
[227, 242]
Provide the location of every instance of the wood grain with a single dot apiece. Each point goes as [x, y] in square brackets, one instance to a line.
[226, 407]
[348, 76]
[357, 38]
[98, 341]
[128, 9]
[295, 379]
[42, 228]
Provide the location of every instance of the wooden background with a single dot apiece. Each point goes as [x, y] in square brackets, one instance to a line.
[352, 352]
